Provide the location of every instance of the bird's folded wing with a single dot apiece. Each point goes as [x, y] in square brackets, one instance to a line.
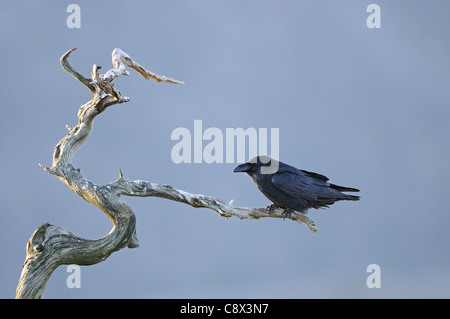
[295, 184]
[316, 175]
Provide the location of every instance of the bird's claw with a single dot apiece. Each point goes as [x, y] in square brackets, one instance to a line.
[271, 208]
[287, 213]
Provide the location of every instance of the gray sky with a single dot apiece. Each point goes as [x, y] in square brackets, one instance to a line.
[369, 108]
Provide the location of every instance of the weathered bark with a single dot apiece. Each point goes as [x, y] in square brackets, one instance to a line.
[51, 246]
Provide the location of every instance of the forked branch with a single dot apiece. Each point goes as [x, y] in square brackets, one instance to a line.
[51, 246]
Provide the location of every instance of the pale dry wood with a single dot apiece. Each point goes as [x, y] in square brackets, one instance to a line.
[51, 246]
[146, 189]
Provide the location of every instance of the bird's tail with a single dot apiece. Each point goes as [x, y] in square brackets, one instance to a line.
[343, 188]
[346, 189]
[350, 197]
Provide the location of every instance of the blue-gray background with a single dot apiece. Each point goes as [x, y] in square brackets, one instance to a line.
[369, 108]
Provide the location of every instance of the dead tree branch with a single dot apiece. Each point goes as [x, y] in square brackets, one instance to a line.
[51, 246]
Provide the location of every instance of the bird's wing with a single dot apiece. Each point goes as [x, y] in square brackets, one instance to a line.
[316, 175]
[296, 183]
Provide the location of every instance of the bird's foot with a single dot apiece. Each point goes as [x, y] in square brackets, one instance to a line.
[287, 213]
[271, 208]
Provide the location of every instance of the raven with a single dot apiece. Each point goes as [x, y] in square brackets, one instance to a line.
[293, 189]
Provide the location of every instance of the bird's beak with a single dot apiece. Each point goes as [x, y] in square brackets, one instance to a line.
[242, 168]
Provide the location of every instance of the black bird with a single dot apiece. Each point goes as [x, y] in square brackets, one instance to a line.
[293, 189]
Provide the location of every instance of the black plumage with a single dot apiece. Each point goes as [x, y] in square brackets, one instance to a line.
[293, 189]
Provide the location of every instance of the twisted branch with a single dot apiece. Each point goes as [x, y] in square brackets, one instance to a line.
[50, 246]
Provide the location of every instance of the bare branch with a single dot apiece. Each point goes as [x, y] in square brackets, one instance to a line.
[120, 59]
[69, 69]
[51, 246]
[146, 189]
